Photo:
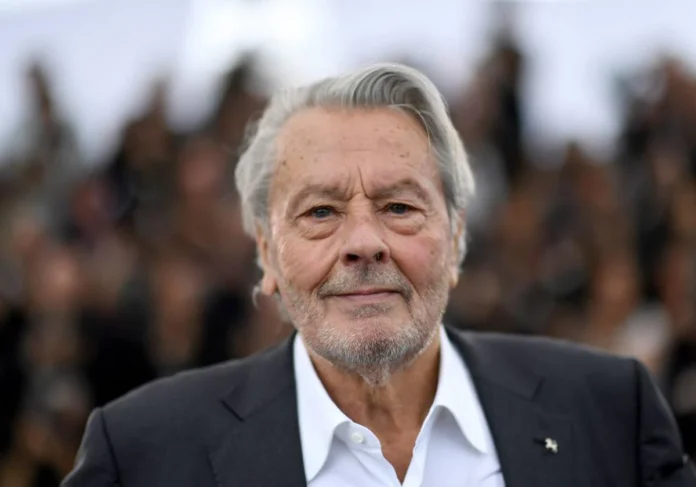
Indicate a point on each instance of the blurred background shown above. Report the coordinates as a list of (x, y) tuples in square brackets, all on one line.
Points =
[(122, 257)]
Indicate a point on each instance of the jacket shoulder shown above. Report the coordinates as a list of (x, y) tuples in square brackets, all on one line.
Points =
[(182, 398), (552, 357)]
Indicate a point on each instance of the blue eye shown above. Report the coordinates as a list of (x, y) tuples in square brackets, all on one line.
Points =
[(321, 212), (398, 208)]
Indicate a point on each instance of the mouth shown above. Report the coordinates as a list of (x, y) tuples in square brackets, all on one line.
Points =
[(368, 295)]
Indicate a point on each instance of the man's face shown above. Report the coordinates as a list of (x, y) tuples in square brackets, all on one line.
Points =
[(360, 246)]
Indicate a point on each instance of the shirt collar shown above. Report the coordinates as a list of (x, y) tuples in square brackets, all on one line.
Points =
[(457, 394), (317, 413), (319, 417)]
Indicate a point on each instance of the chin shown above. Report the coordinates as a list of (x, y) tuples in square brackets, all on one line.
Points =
[(369, 326), (373, 335)]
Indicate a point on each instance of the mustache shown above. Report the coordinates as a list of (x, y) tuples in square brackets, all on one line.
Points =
[(366, 276)]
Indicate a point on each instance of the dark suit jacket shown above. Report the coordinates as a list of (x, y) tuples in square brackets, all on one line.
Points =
[(236, 424)]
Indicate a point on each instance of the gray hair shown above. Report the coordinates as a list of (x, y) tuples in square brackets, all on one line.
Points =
[(380, 85)]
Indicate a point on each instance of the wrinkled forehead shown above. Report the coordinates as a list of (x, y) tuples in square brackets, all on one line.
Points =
[(319, 130), (337, 153)]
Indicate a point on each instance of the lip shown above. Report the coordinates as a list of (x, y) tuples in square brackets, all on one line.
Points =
[(368, 295), (368, 291)]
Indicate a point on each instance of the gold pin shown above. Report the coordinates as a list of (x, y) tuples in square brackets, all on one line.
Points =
[(551, 445)]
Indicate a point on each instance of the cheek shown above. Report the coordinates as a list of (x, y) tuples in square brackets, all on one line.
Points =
[(423, 259), (304, 264)]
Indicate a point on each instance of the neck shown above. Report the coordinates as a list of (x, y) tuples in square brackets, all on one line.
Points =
[(397, 406)]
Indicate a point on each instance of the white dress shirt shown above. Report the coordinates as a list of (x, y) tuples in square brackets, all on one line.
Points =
[(453, 448)]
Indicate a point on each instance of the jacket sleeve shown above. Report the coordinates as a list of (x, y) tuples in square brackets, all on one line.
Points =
[(95, 465), (661, 459)]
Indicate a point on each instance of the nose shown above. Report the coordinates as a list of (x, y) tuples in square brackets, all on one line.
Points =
[(364, 243)]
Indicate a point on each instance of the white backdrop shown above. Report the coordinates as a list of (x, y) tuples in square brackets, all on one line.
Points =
[(104, 53)]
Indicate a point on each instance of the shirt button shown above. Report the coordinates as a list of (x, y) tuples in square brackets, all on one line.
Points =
[(357, 437)]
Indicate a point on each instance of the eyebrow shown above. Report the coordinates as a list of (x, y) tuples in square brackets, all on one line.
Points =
[(320, 190), (402, 186), (339, 192)]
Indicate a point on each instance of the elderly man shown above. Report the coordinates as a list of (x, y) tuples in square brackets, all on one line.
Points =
[(355, 189)]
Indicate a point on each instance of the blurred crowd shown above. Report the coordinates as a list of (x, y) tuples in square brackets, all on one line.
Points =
[(116, 273)]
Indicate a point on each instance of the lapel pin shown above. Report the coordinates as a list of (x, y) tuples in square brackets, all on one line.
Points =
[(551, 445)]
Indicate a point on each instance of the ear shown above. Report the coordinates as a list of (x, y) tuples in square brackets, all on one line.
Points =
[(269, 281), (454, 252)]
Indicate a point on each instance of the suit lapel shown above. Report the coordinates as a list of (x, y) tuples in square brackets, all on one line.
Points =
[(519, 424), (520, 431), (259, 444)]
